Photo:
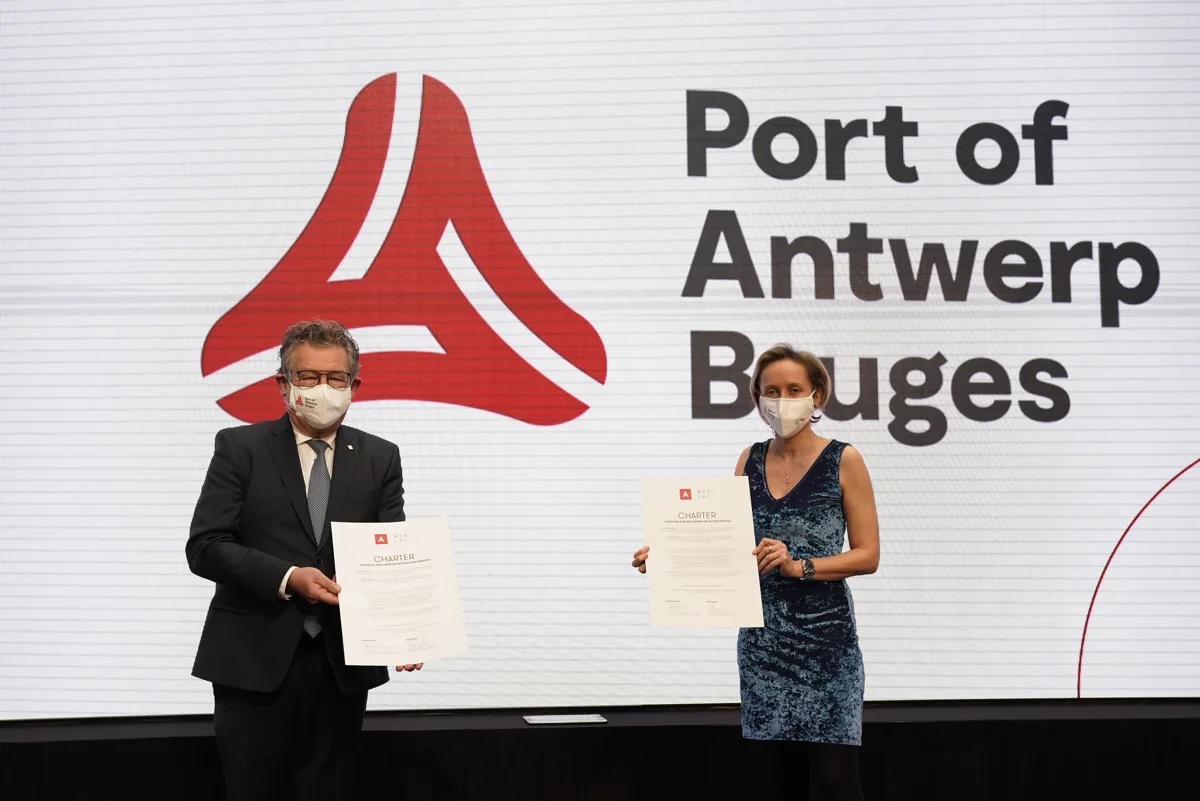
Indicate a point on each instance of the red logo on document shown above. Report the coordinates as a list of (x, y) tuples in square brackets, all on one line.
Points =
[(408, 284), (381, 539), (685, 495)]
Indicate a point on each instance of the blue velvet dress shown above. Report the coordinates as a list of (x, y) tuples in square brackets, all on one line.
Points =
[(802, 673)]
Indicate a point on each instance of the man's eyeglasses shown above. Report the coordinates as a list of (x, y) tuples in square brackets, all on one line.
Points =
[(310, 378)]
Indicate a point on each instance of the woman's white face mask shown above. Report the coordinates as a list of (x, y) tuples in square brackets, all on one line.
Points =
[(786, 416)]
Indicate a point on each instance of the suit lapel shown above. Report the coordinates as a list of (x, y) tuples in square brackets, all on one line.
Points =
[(345, 471), (287, 462)]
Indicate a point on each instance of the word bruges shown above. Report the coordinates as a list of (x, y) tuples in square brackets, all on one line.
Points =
[(981, 389)]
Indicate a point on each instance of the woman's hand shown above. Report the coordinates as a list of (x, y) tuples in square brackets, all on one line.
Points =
[(639, 558), (793, 568), (409, 668), (771, 554)]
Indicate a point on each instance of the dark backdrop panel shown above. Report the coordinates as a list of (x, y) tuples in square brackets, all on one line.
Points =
[(974, 760)]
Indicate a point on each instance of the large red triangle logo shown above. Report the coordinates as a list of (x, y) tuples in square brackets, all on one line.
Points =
[(407, 282)]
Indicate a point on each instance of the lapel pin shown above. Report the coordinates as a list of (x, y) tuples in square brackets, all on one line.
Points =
[(349, 447)]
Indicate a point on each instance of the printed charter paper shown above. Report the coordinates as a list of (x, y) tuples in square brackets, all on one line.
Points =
[(399, 602), (700, 572)]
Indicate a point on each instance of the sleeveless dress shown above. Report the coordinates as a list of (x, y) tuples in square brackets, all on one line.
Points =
[(802, 673)]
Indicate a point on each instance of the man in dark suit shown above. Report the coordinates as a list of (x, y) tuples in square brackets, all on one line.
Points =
[(288, 711)]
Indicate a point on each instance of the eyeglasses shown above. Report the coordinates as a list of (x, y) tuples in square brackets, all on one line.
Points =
[(338, 379)]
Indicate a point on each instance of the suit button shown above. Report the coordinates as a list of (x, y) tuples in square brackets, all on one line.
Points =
[(317, 561)]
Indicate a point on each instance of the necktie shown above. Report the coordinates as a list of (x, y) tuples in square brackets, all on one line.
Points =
[(318, 489), (318, 501)]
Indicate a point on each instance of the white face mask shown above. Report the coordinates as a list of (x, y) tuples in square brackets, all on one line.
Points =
[(320, 406), (786, 416)]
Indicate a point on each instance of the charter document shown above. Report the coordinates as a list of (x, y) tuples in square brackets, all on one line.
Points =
[(400, 602), (701, 571)]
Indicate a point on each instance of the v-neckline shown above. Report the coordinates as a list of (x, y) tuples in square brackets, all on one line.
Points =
[(799, 481)]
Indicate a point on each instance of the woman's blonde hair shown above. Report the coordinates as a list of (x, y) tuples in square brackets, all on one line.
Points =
[(818, 376)]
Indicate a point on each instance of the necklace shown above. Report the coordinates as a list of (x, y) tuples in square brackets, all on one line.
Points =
[(787, 469), (788, 464), (807, 459)]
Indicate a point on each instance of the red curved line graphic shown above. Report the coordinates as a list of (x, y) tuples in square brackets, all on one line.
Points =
[(1099, 581), (459, 177), (254, 323)]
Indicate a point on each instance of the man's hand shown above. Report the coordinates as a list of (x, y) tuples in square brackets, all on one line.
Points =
[(409, 668), (639, 558), (313, 586)]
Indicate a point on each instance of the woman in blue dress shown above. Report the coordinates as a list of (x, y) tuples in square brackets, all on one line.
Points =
[(801, 674)]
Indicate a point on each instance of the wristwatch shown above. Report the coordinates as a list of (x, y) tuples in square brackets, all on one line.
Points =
[(809, 569)]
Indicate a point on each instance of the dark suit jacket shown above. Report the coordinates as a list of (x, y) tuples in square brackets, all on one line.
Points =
[(251, 524)]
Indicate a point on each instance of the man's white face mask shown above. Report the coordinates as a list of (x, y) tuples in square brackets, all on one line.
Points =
[(320, 406), (786, 416)]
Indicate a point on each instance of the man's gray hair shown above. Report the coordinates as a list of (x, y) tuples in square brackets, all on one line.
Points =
[(321, 334)]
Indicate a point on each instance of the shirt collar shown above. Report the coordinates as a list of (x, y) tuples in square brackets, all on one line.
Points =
[(302, 438)]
